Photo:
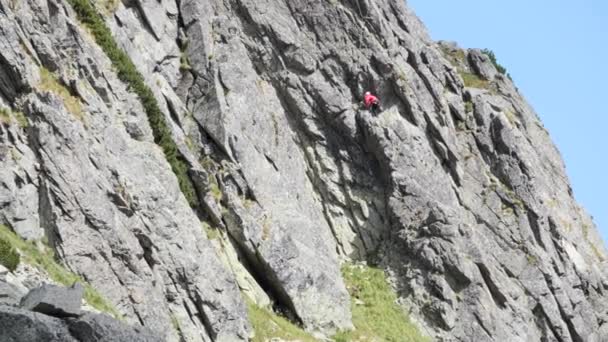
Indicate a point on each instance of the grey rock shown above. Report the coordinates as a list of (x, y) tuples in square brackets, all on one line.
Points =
[(19, 325), (54, 300), (481, 64), (9, 294), (101, 328)]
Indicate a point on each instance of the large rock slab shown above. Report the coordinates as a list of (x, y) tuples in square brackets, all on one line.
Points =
[(101, 328), (52, 300), (19, 325)]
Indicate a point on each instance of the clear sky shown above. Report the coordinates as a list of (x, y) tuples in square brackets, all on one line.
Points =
[(557, 53)]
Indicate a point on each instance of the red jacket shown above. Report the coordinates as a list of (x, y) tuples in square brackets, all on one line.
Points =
[(370, 100)]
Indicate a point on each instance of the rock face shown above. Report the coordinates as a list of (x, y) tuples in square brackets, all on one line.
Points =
[(455, 188)]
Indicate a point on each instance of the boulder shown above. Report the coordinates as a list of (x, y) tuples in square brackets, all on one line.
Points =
[(55, 300), (93, 327), (19, 325)]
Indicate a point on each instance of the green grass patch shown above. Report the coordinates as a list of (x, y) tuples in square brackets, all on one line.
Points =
[(268, 325), (127, 72), (43, 259), (376, 314), (9, 257), (474, 81), (49, 82)]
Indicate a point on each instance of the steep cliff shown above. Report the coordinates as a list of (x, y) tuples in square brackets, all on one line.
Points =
[(178, 153)]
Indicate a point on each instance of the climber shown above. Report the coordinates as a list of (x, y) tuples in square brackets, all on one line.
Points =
[(371, 103)]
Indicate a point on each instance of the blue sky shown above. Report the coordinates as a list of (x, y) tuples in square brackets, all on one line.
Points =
[(557, 53)]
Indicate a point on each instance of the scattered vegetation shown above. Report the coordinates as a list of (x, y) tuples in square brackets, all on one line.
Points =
[(512, 197), (455, 56), (184, 62), (128, 73), (596, 251), (501, 69), (376, 314), (7, 116), (109, 6), (43, 258), (511, 117), (49, 82), (401, 75), (268, 325), (507, 211), (177, 327), (275, 125), (552, 203), (532, 260), (9, 257), (468, 106), (594, 248), (184, 59), (214, 187), (211, 232)]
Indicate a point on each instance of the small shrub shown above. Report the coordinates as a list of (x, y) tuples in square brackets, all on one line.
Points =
[(184, 62), (501, 69), (9, 257), (275, 125), (127, 72)]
